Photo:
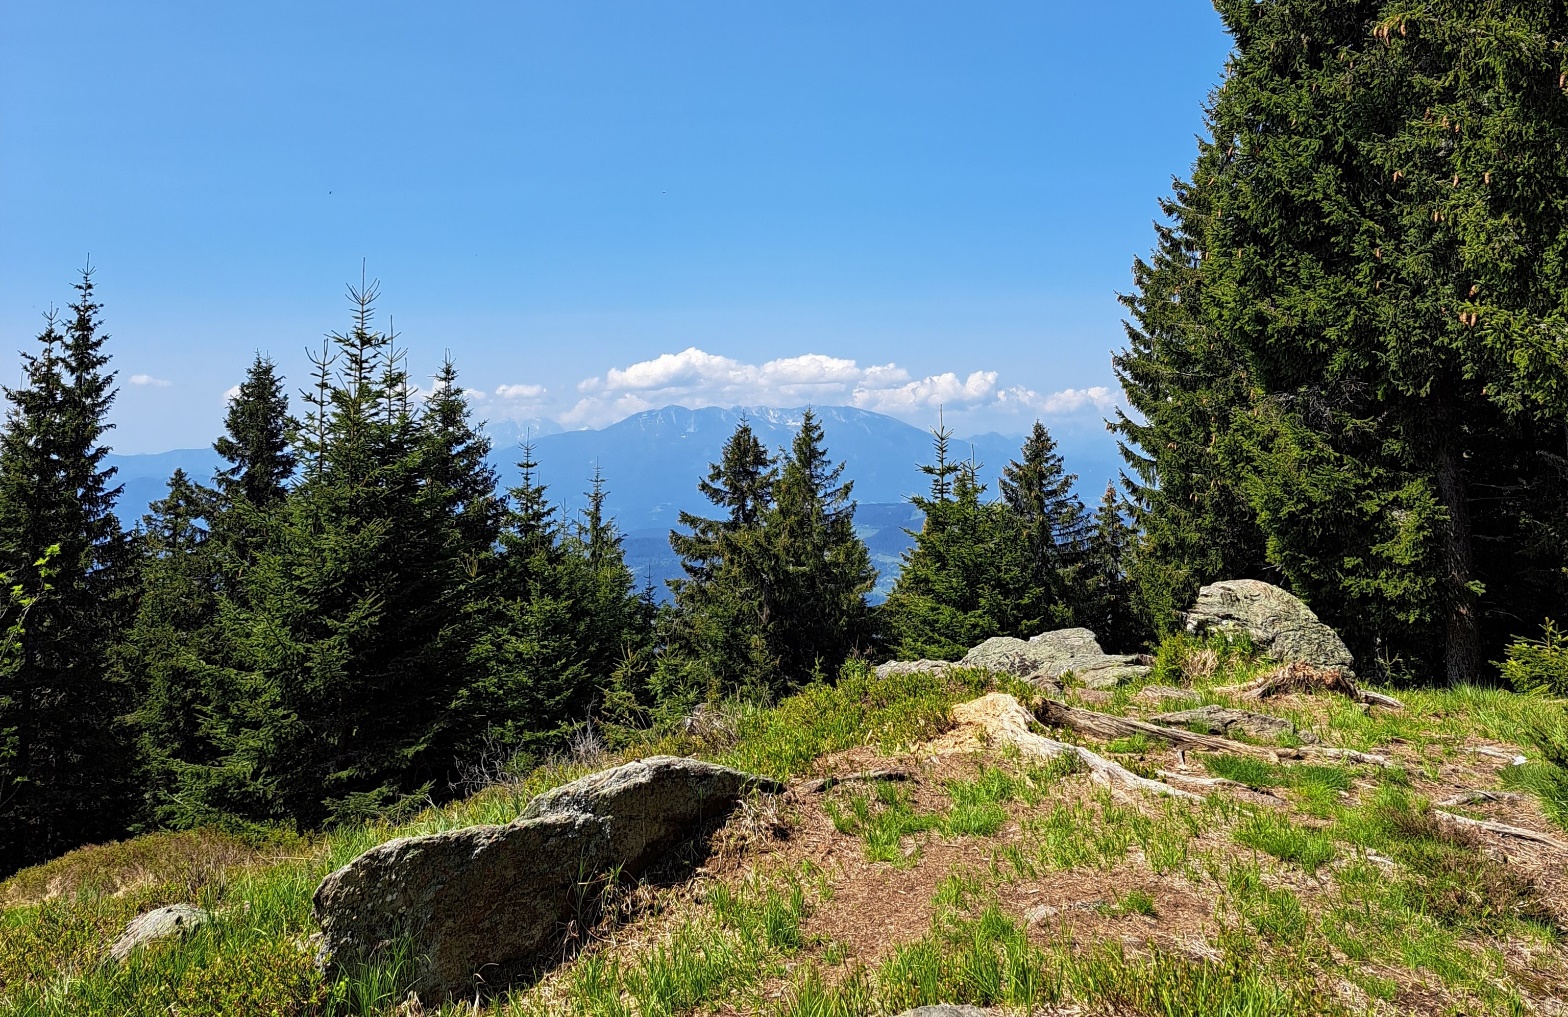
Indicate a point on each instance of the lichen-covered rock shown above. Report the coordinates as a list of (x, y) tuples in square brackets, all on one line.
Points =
[(651, 803), (1070, 642), (481, 905), (1044, 659), (898, 667), (1011, 655), (159, 923), (1279, 625)]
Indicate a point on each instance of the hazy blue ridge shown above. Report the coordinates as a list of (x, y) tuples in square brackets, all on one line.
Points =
[(651, 462)]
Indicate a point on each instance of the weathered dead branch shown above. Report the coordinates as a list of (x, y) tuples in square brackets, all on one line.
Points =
[(1107, 727), (821, 784), (1501, 829)]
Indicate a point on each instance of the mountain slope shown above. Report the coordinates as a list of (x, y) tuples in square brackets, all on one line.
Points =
[(651, 463)]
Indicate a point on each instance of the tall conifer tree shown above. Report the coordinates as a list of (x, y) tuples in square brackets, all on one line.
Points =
[(66, 757), (820, 568), (1376, 205)]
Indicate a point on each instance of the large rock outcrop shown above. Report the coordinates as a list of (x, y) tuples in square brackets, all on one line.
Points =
[(482, 905), (1279, 625), (1048, 656)]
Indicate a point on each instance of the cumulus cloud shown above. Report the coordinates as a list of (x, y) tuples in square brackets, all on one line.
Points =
[(149, 380), (520, 393), (694, 377)]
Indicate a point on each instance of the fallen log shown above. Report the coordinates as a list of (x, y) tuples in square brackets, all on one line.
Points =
[(1501, 829), (1108, 727), (1004, 719)]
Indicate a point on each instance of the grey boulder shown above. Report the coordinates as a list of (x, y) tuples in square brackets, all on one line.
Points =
[(650, 804), (946, 1010), (159, 923), (1044, 659), (1279, 624), (901, 667), (480, 906)]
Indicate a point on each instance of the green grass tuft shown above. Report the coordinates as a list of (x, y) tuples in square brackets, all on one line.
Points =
[(1274, 834)]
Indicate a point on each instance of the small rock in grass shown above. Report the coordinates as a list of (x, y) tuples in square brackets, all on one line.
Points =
[(946, 1010), (159, 923), (1222, 720)]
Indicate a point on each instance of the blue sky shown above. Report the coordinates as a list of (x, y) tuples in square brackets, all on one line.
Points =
[(602, 205)]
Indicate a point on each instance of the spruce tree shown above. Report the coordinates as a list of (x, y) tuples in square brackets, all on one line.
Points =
[(1038, 491), (820, 568), (1382, 190), (1105, 604), (257, 440), (66, 757), (350, 638), (563, 623), (728, 599), (969, 575), (166, 652), (1186, 383)]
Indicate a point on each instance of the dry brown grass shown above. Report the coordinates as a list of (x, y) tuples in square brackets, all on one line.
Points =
[(194, 859)]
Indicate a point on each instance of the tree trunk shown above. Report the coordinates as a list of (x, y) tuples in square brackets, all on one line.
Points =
[(1461, 633)]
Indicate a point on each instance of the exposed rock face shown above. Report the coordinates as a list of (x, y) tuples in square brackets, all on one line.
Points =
[(1279, 624), (483, 904), (893, 667), (1221, 720), (649, 804), (159, 923), (1044, 659), (1070, 642)]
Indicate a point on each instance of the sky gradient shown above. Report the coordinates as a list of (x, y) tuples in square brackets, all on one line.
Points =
[(602, 206)]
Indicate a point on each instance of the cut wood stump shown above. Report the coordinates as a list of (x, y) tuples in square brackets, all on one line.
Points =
[(1299, 677)]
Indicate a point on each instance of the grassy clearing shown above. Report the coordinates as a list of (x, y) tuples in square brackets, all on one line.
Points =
[(254, 958), (1349, 895), (885, 817)]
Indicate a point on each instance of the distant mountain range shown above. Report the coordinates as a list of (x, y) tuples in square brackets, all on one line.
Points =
[(651, 462)]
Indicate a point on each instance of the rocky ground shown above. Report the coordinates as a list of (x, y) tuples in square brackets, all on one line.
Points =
[(1208, 834)]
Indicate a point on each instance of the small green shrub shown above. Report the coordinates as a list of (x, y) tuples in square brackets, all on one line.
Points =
[(1539, 666), (1134, 902)]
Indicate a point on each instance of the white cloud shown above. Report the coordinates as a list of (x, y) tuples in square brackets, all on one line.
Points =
[(1070, 400), (232, 394), (694, 377), (147, 379), (520, 393)]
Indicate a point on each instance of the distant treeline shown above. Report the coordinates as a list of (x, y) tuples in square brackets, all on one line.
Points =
[(1346, 373)]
